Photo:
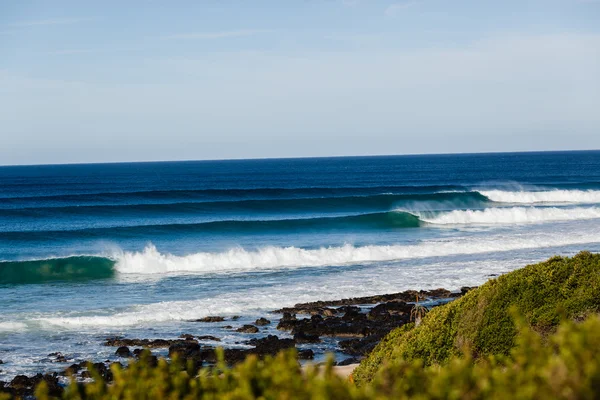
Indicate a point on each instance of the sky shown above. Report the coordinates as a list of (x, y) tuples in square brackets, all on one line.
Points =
[(107, 81)]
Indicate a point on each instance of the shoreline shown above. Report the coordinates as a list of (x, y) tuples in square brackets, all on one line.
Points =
[(353, 326)]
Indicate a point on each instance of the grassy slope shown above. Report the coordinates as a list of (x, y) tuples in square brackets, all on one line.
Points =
[(481, 322)]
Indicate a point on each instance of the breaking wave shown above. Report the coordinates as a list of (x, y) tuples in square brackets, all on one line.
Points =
[(512, 215), (550, 196)]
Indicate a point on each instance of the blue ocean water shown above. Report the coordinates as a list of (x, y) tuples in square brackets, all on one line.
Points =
[(139, 249)]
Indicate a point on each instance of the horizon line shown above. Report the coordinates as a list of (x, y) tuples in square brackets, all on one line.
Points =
[(300, 157)]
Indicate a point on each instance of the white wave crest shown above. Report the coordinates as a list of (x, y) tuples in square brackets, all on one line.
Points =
[(513, 215), (551, 196), (151, 261), (12, 326)]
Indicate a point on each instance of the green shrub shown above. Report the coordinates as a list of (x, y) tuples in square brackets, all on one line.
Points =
[(480, 321), (565, 365)]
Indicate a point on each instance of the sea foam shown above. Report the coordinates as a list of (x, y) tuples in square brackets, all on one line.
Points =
[(512, 215), (550, 196), (151, 261)]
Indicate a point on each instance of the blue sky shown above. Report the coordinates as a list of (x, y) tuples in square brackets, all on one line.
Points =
[(155, 80)]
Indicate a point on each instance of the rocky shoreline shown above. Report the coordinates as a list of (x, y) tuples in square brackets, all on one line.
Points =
[(355, 324)]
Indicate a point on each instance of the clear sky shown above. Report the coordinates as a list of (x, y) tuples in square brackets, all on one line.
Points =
[(92, 81)]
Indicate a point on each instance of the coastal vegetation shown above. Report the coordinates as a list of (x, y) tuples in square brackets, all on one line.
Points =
[(530, 334)]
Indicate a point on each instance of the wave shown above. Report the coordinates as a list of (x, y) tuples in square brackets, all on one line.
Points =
[(56, 269), (152, 262), (550, 196), (511, 215), (303, 204), (371, 221)]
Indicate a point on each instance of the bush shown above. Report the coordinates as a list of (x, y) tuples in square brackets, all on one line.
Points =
[(479, 321), (565, 365)]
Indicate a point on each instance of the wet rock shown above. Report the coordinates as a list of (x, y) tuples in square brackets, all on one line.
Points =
[(306, 354), (320, 307), (186, 336), (361, 346), (72, 370), (247, 329), (227, 327), (388, 311), (287, 322), (235, 317), (348, 361), (23, 386), (58, 357), (270, 345), (123, 351), (302, 337), (1, 362), (210, 319), (209, 337), (465, 289), (185, 349), (262, 322), (151, 344)]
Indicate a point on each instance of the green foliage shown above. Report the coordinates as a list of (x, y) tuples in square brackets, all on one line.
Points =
[(565, 365), (480, 323)]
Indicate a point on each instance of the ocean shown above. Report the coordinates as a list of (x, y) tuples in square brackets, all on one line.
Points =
[(140, 249)]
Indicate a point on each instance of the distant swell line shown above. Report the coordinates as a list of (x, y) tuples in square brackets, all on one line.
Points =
[(358, 202)]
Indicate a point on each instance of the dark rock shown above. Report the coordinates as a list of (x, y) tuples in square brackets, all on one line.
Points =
[(1, 362), (210, 319), (227, 327), (247, 329), (262, 322), (72, 370), (319, 307), (301, 337), (58, 357), (361, 346), (465, 289), (270, 345), (186, 336), (386, 311), (348, 361), (306, 354), (208, 337), (123, 351), (151, 344), (235, 317), (185, 349), (23, 386)]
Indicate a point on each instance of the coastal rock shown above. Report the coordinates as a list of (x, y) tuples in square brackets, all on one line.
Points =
[(302, 337), (348, 361), (247, 329), (270, 345), (262, 322), (123, 351), (23, 386), (320, 307), (151, 344), (186, 336), (306, 354), (209, 337), (58, 357), (210, 319)]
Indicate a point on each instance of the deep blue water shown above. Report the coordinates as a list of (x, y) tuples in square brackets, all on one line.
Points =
[(140, 248)]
